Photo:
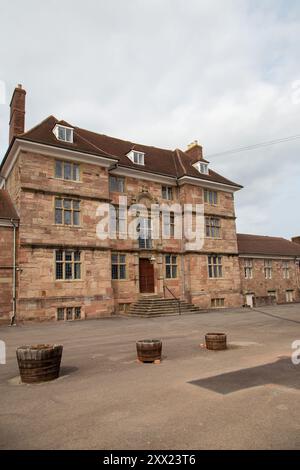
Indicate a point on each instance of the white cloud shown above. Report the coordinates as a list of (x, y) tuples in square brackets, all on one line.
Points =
[(167, 72)]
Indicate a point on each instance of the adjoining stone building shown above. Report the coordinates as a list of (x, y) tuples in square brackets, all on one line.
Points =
[(56, 176), (269, 269)]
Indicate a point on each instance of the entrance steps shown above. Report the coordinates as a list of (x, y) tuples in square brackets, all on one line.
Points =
[(158, 307)]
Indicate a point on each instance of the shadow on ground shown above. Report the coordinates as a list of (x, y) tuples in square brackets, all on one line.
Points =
[(282, 372)]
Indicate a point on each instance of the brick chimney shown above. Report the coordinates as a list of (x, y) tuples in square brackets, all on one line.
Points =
[(17, 113), (296, 240), (195, 151)]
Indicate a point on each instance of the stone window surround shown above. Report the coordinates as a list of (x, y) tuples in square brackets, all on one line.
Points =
[(71, 209), (172, 266), (118, 264), (74, 165), (215, 266), (74, 311), (63, 263)]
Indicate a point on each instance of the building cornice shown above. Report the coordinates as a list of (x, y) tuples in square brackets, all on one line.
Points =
[(74, 155), (260, 256), (207, 184), (143, 175)]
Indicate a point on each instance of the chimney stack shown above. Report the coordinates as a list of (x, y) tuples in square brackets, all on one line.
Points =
[(17, 113), (296, 240), (195, 151)]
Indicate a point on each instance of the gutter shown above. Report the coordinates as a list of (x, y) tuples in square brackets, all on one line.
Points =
[(14, 267)]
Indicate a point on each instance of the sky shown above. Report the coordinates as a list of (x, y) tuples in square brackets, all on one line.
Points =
[(166, 73)]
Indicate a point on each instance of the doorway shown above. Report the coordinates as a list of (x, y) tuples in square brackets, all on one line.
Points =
[(146, 273)]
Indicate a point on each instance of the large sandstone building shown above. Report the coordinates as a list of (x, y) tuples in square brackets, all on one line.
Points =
[(54, 178)]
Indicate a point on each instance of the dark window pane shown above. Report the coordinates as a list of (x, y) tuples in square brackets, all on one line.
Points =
[(67, 171), (76, 172), (68, 255), (67, 217), (77, 313), (76, 218), (67, 203), (59, 271), (77, 255), (114, 271), (68, 135), (58, 202), (122, 259), (168, 259), (174, 271), (60, 314), (174, 259), (58, 216), (61, 133), (122, 271), (168, 271), (58, 169), (77, 268), (210, 271), (68, 271), (76, 205), (69, 313), (59, 255)]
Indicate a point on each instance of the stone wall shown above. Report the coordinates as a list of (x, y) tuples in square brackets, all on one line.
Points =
[(260, 286), (6, 273)]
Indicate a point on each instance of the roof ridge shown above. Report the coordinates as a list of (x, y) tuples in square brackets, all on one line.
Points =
[(122, 140), (37, 125), (93, 145), (177, 151)]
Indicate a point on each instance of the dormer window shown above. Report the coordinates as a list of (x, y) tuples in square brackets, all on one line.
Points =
[(136, 157), (201, 167), (63, 133)]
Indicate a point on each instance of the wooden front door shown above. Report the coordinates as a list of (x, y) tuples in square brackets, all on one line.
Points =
[(146, 276)]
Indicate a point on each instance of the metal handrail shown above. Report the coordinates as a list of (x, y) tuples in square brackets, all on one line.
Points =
[(176, 298)]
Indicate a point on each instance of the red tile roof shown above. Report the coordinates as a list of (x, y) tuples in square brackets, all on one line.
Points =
[(7, 209), (262, 245), (174, 163)]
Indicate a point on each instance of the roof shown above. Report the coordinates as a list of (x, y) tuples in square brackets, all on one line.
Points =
[(7, 209), (262, 245), (174, 163)]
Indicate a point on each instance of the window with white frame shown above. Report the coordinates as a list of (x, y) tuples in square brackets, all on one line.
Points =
[(212, 226), (67, 170), (67, 211), (286, 269), (215, 268), (63, 133), (289, 295), (67, 265), (268, 268), (167, 192), (136, 157), (202, 167), (210, 197), (248, 268)]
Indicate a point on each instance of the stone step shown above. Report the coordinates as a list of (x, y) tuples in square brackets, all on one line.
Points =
[(156, 307)]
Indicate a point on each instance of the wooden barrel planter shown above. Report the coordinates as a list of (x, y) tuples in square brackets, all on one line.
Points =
[(149, 350), (39, 363), (216, 341)]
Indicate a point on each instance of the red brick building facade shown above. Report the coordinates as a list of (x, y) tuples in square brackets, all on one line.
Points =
[(58, 175)]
